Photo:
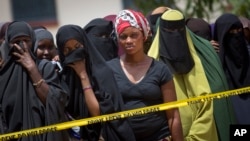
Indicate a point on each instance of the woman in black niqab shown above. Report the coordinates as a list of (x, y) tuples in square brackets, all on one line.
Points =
[(101, 33), (233, 53), (233, 50), (21, 104), (174, 48), (102, 82)]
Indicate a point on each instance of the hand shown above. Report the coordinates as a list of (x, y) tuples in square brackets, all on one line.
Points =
[(55, 58), (1, 62), (23, 56), (215, 45), (80, 68)]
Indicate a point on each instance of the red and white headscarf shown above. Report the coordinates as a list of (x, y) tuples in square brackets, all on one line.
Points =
[(128, 18)]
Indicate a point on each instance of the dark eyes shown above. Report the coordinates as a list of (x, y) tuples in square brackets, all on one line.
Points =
[(235, 31), (19, 41), (132, 36), (174, 29), (67, 50), (102, 35), (45, 47)]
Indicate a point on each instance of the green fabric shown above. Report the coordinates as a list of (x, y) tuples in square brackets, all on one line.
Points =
[(223, 112), (197, 119), (208, 121), (222, 108)]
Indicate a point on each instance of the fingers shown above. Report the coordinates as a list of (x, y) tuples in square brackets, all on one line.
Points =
[(21, 46), (18, 49), (21, 50), (216, 47), (24, 46), (214, 43), (77, 65), (56, 58), (71, 65)]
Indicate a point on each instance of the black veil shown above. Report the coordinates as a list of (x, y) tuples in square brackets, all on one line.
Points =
[(103, 83)]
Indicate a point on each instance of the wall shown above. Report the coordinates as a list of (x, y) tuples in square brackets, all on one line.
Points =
[(78, 12)]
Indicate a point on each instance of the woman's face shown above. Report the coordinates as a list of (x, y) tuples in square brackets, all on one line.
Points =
[(46, 49), (131, 40), (70, 46), (20, 39)]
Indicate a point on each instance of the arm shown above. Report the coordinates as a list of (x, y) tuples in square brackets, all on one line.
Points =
[(203, 126), (173, 116), (91, 101), (25, 59)]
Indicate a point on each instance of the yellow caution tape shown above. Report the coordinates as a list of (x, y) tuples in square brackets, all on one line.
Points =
[(123, 114)]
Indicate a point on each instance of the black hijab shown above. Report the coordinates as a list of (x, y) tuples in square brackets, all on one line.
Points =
[(20, 106), (100, 33), (235, 60), (174, 48), (200, 27), (3, 27), (233, 50), (103, 83), (152, 20)]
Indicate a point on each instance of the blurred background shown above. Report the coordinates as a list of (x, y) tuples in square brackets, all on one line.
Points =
[(54, 13)]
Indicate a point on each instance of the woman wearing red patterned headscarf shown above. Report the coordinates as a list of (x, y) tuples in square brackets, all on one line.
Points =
[(143, 81)]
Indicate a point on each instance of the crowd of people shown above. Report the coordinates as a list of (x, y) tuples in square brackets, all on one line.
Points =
[(122, 62)]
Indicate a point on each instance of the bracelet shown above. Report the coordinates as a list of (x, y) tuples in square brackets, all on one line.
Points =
[(38, 83), (86, 88)]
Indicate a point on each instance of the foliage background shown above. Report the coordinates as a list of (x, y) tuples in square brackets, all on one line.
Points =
[(195, 8)]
